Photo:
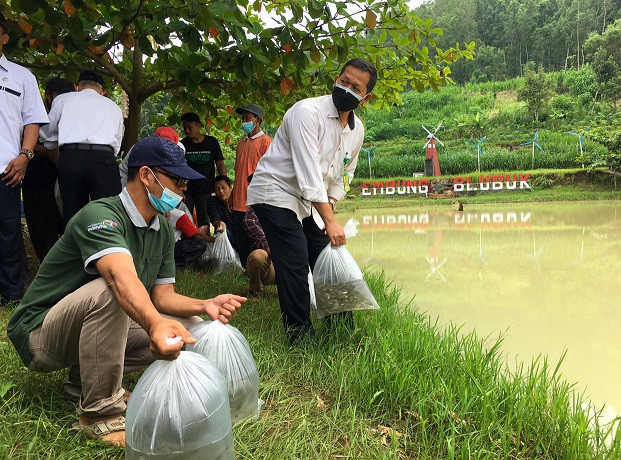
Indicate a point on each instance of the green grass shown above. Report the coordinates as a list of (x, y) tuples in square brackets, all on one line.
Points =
[(397, 387), (547, 185)]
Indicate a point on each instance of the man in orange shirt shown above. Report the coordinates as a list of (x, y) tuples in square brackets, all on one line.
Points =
[(249, 149)]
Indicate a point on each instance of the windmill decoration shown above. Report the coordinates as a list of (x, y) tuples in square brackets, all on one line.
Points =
[(580, 142), (479, 150), (368, 152), (534, 144), (432, 151)]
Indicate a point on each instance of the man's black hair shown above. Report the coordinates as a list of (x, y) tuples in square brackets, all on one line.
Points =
[(365, 66), (59, 85), (191, 117), (222, 178), (132, 172)]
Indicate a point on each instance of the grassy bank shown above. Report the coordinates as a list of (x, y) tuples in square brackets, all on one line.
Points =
[(546, 184), (397, 387)]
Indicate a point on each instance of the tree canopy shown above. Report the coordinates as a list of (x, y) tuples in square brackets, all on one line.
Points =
[(548, 33), (212, 55)]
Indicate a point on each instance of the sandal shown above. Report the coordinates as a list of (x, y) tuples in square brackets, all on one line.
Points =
[(99, 429)]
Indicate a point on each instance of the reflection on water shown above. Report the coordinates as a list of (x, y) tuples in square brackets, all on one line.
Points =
[(547, 276)]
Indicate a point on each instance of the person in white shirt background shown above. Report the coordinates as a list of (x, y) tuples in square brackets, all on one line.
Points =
[(21, 114), (87, 127), (307, 168)]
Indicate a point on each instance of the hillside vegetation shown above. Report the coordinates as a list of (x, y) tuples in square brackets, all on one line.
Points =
[(501, 111)]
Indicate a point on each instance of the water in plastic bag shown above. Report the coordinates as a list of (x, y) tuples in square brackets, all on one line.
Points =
[(229, 351), (220, 256), (339, 284), (180, 410)]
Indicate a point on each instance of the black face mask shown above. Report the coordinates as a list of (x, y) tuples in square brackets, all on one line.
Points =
[(344, 100)]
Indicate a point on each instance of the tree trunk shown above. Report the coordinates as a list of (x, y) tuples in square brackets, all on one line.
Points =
[(135, 96), (132, 125)]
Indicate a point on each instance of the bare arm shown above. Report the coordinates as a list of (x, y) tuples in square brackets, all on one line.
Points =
[(16, 169), (118, 271), (333, 228), (222, 307), (221, 168)]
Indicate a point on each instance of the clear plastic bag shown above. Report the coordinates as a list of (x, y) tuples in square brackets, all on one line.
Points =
[(311, 290), (351, 228), (229, 351), (220, 256), (339, 284), (179, 410)]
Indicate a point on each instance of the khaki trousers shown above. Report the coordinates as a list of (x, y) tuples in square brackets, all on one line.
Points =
[(89, 330), (260, 270)]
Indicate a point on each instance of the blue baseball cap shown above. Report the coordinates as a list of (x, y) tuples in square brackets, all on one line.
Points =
[(160, 152)]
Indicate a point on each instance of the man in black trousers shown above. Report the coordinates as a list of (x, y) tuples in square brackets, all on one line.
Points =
[(45, 223), (307, 168), (87, 127)]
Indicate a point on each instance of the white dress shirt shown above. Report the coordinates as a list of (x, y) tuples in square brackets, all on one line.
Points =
[(84, 117), (20, 105), (306, 160)]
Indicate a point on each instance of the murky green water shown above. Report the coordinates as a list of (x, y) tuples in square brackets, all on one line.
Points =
[(546, 275)]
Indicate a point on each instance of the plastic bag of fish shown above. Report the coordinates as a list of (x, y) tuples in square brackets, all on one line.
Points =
[(339, 284)]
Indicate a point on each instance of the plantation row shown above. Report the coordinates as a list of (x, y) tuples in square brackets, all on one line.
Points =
[(463, 162)]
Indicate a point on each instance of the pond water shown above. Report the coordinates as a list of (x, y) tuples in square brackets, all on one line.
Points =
[(545, 275)]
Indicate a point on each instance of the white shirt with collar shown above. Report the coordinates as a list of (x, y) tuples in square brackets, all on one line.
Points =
[(84, 117), (306, 160), (20, 105)]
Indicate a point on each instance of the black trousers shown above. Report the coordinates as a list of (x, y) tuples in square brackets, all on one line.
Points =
[(294, 246), (45, 224), (84, 175), (242, 242), (11, 243), (198, 201), (188, 250)]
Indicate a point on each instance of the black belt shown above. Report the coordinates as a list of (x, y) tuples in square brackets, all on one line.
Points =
[(99, 147)]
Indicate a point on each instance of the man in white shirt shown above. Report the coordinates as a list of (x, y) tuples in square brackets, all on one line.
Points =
[(87, 127), (21, 114), (306, 169)]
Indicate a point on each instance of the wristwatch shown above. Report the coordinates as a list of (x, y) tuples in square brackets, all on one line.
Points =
[(28, 153), (332, 201)]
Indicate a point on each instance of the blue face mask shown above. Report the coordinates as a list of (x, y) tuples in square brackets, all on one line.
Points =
[(248, 127), (167, 202)]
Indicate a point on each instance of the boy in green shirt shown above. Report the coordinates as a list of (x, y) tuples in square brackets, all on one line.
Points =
[(104, 295)]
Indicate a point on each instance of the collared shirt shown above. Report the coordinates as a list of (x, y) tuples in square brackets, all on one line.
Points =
[(255, 231), (20, 105), (306, 161), (105, 226), (84, 117), (249, 151), (218, 210)]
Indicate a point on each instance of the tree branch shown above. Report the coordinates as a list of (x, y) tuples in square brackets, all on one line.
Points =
[(125, 24), (61, 67), (156, 87), (112, 71)]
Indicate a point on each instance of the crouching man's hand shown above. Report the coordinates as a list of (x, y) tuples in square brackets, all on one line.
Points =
[(223, 307), (166, 329)]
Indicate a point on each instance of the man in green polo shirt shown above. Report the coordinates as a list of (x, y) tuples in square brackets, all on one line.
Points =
[(104, 295)]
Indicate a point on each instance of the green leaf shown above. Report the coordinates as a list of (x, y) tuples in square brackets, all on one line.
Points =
[(5, 386)]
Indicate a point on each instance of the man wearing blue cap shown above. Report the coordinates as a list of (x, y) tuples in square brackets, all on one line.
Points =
[(116, 306)]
